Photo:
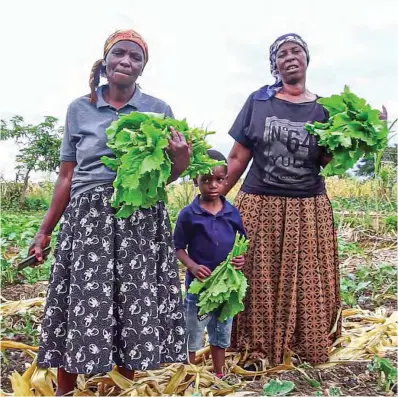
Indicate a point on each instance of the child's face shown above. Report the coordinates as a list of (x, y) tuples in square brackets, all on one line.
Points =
[(211, 186)]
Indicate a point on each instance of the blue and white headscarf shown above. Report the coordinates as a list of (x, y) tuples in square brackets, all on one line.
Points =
[(269, 91)]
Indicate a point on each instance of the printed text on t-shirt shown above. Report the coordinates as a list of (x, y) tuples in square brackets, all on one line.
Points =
[(287, 146)]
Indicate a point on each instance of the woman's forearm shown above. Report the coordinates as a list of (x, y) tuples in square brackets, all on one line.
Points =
[(238, 161), (60, 200), (235, 171), (176, 172)]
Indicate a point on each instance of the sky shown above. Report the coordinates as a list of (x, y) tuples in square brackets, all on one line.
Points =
[(205, 58)]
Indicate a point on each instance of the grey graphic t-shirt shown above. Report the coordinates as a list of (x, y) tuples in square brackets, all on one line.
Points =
[(286, 158)]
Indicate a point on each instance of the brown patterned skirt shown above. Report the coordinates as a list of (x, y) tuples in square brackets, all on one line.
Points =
[(293, 299)]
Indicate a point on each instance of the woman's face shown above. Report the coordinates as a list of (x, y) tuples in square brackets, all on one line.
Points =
[(291, 61), (124, 63)]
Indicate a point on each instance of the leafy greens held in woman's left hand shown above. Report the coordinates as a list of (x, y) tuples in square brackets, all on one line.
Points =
[(139, 142), (353, 131)]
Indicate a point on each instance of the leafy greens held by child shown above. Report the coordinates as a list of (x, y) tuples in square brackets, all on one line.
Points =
[(353, 131), (226, 287), (139, 142)]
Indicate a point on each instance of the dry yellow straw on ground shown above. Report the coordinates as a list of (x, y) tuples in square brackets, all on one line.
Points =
[(365, 334)]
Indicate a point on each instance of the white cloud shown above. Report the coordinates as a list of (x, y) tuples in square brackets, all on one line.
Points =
[(205, 57)]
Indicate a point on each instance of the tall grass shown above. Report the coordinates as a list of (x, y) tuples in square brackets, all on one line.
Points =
[(369, 204), (366, 205)]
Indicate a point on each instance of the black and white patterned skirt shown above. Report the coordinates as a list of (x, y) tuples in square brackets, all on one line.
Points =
[(114, 296)]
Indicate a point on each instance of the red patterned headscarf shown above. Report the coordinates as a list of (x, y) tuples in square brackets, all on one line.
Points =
[(120, 35)]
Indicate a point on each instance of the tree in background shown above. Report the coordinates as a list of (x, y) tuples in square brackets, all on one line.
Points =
[(39, 147)]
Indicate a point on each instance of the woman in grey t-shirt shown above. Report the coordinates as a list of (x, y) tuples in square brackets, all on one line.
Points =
[(293, 297), (114, 294)]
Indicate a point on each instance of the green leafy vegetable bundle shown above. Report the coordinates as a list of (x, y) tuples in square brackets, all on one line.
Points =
[(226, 288), (353, 131), (139, 142)]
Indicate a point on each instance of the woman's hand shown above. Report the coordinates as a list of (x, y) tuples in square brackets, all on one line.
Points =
[(179, 152), (326, 158), (238, 262), (40, 242)]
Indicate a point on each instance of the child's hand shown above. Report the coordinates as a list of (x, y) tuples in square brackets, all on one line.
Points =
[(238, 262), (200, 272)]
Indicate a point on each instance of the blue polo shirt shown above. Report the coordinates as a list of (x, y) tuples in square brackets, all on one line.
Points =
[(208, 238), (85, 138)]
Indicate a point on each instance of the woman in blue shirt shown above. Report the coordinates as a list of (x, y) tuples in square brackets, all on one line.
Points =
[(114, 295)]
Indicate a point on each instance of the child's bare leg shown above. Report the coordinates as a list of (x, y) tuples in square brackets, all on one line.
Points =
[(66, 382), (127, 373), (218, 357), (192, 357)]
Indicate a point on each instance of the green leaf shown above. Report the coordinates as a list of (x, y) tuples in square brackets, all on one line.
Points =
[(334, 105), (132, 120), (111, 163), (339, 120), (123, 139), (314, 383), (143, 167), (151, 162), (125, 211), (195, 287), (353, 102), (225, 289), (220, 288), (134, 197), (11, 236), (243, 286), (151, 133), (335, 392), (111, 130), (345, 141), (130, 180), (165, 173), (153, 114), (352, 131), (373, 116), (276, 387), (232, 307)]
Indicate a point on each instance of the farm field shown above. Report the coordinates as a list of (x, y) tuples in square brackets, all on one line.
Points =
[(362, 363)]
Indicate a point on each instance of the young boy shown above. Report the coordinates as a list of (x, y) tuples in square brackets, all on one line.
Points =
[(206, 229)]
